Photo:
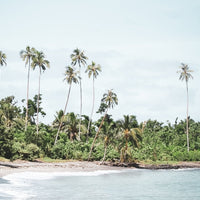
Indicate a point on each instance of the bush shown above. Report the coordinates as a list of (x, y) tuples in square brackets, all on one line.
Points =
[(112, 154), (187, 156), (58, 151), (25, 152), (31, 152), (98, 152), (17, 149)]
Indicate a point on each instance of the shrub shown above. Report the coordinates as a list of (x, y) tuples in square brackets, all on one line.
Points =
[(25, 152), (187, 156), (58, 151), (31, 152), (112, 154)]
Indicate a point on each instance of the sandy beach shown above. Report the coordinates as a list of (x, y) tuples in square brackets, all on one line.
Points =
[(82, 166), (69, 166)]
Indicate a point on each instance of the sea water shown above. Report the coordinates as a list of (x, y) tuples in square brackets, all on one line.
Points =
[(133, 184)]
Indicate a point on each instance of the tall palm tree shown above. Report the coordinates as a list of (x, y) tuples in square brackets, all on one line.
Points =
[(185, 74), (92, 70), (78, 58), (110, 99), (3, 58), (71, 77), (39, 60), (26, 56)]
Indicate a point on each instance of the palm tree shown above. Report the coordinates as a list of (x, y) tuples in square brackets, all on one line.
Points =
[(70, 77), (78, 57), (2, 58), (93, 70), (130, 132), (185, 74), (72, 126), (26, 56), (110, 99), (109, 130), (39, 60)]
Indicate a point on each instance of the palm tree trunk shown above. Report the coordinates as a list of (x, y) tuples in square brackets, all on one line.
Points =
[(61, 120), (90, 119), (97, 133), (27, 96), (79, 131), (105, 150), (38, 98), (187, 121), (126, 144)]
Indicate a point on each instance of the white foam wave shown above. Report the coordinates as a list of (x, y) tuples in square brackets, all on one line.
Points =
[(24, 178)]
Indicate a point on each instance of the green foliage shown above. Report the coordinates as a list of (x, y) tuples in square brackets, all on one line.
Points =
[(25, 152), (159, 142), (58, 151), (112, 154), (187, 156), (32, 109)]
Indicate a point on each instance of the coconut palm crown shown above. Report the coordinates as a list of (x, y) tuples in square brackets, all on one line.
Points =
[(38, 60), (185, 73), (71, 75), (110, 99), (2, 58), (78, 57), (93, 70)]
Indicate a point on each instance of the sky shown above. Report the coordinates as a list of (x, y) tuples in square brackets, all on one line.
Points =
[(139, 45)]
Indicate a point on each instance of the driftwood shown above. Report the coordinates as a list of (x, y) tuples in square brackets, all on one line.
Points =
[(8, 165)]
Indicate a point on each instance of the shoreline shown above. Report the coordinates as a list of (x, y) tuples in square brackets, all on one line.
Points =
[(7, 167), (67, 166)]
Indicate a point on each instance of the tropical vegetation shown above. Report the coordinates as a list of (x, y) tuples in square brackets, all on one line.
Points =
[(106, 139)]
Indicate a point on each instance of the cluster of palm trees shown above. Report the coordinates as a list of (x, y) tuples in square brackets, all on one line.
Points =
[(34, 58), (74, 76)]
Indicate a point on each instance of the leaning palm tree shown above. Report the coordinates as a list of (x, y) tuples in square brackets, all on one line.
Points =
[(2, 58), (110, 100), (39, 60), (109, 130), (185, 74), (71, 77), (78, 58), (26, 56), (92, 70)]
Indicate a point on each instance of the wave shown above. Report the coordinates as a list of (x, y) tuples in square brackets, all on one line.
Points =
[(14, 185), (18, 178)]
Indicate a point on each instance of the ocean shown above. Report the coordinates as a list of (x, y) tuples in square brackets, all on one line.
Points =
[(133, 184)]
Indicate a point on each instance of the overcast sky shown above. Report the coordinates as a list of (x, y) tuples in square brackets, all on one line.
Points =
[(138, 43)]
